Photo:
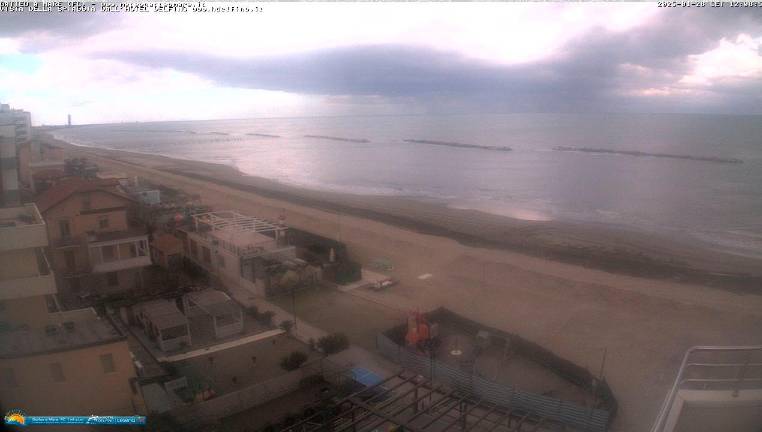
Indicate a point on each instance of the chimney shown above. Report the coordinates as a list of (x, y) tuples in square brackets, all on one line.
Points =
[(69, 123)]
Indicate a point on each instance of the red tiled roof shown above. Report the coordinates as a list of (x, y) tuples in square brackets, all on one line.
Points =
[(58, 193)]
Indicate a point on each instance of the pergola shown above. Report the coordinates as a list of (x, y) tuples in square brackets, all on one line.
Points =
[(231, 220), (411, 403)]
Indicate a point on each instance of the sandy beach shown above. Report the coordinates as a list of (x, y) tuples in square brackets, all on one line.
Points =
[(576, 289)]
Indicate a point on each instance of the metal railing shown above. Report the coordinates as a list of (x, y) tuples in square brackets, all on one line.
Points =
[(714, 368)]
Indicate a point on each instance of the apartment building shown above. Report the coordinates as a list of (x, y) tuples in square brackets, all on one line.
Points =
[(54, 362), (238, 249), (78, 364), (21, 121), (9, 176), (93, 247), (27, 283)]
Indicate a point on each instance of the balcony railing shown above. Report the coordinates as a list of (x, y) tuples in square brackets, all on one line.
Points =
[(118, 259), (122, 264), (713, 368)]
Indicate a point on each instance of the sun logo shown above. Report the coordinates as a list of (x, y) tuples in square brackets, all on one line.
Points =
[(15, 417)]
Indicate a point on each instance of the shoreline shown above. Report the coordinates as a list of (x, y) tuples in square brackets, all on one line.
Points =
[(577, 312), (597, 246)]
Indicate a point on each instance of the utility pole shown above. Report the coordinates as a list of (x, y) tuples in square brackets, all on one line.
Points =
[(293, 304)]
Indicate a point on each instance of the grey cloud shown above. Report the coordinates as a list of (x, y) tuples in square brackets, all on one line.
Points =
[(56, 25), (593, 72)]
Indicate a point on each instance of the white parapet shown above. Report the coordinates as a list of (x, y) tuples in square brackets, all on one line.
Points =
[(22, 227)]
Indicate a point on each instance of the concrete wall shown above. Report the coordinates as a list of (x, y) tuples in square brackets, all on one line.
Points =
[(30, 311), (249, 397), (19, 263), (86, 388)]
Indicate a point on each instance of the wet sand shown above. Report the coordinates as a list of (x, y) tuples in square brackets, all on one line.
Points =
[(575, 289)]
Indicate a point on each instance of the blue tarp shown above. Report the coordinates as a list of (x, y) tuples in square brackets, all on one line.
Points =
[(365, 377)]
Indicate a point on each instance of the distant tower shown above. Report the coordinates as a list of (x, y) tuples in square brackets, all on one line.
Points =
[(69, 124)]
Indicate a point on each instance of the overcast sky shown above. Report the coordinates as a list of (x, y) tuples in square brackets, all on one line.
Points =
[(309, 59)]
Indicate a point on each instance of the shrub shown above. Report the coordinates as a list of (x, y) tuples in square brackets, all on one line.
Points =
[(293, 361), (266, 317), (348, 272), (333, 343), (286, 325), (253, 311)]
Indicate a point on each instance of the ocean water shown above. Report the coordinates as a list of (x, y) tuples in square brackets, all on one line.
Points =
[(717, 203)]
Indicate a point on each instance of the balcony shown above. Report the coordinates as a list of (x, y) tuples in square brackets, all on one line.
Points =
[(20, 283), (46, 164), (115, 253), (122, 264), (717, 388), (22, 228)]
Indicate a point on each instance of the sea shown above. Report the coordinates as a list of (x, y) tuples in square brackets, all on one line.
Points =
[(719, 204)]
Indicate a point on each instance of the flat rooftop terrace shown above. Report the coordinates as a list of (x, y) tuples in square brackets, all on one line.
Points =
[(239, 231), (22, 227), (503, 365), (69, 335), (22, 215), (203, 338)]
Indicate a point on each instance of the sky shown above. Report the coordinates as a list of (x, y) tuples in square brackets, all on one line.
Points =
[(371, 58)]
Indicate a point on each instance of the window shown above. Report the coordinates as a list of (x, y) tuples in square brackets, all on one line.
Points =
[(194, 249), (56, 372), (9, 378), (107, 363), (86, 204), (112, 279), (207, 255), (108, 253), (74, 285), (103, 222), (71, 260), (64, 228), (220, 261), (51, 302), (133, 250)]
